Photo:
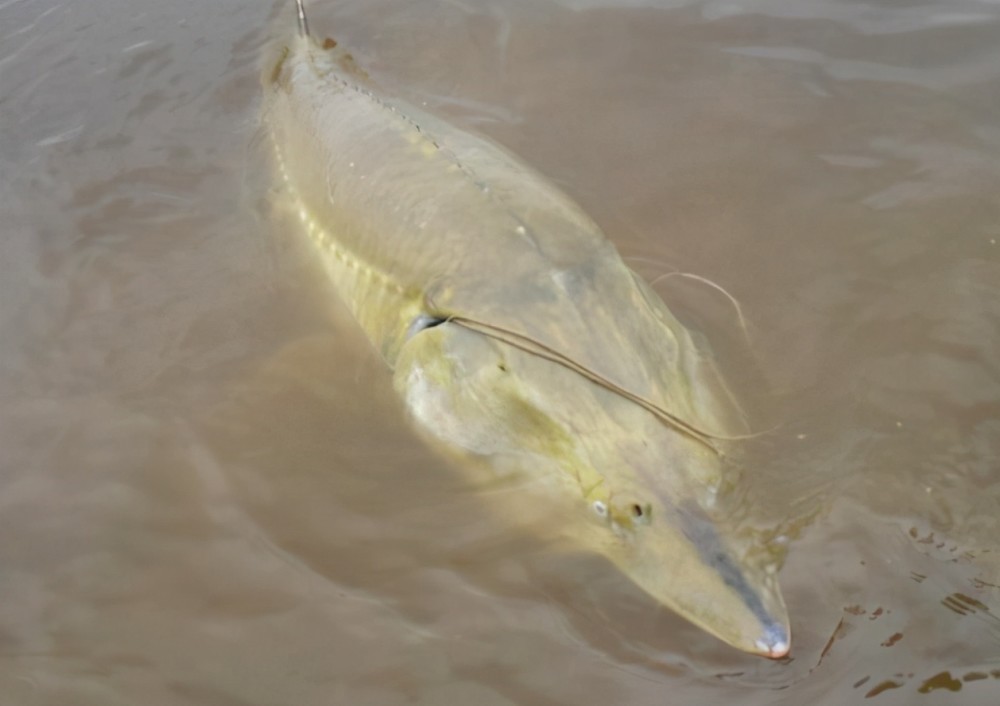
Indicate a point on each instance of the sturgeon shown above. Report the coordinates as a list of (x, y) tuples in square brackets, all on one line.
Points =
[(515, 332)]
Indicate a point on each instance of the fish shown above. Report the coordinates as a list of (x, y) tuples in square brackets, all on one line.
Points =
[(515, 333)]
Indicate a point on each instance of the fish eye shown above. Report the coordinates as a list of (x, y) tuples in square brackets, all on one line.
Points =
[(423, 322), (600, 508)]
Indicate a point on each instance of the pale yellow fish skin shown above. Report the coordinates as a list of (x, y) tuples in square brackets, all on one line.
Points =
[(415, 218)]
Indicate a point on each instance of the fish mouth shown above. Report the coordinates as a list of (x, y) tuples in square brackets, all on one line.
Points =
[(775, 643)]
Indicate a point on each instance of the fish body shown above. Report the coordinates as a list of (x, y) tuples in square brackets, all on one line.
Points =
[(516, 332)]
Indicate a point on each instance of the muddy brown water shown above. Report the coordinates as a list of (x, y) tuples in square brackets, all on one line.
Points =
[(210, 495)]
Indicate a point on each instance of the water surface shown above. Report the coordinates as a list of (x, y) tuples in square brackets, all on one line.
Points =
[(210, 495)]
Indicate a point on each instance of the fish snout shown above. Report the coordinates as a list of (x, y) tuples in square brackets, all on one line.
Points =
[(694, 567), (775, 642)]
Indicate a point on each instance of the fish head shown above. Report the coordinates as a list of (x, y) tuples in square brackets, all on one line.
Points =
[(637, 491), (678, 554), (656, 513)]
